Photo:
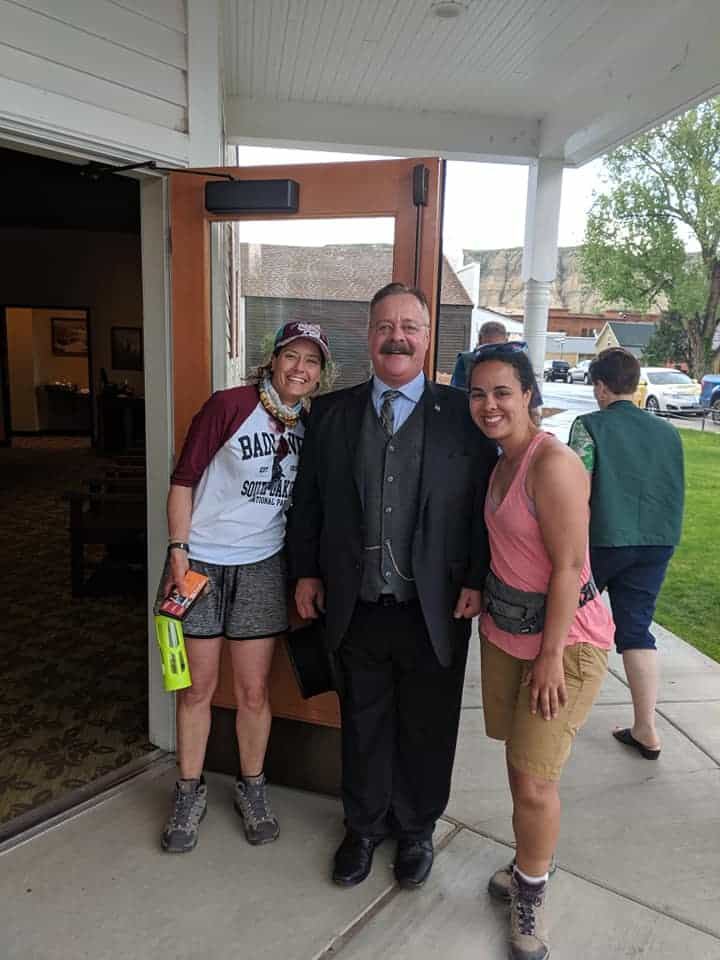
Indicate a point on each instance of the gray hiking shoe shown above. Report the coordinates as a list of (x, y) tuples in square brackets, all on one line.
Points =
[(528, 929), (499, 883), (251, 802), (189, 807)]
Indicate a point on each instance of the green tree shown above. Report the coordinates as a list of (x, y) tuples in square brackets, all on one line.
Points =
[(663, 188), (669, 342)]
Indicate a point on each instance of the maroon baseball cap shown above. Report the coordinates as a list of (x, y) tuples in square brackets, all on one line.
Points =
[(302, 330)]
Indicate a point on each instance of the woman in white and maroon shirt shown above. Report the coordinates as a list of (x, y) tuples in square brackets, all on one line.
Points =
[(226, 517)]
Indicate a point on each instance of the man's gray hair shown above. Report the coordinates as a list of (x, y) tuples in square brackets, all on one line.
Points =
[(396, 290), (491, 330)]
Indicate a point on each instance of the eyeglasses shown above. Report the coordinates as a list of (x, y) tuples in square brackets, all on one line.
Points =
[(408, 328)]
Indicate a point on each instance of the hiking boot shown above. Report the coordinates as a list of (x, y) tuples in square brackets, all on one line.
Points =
[(189, 807), (528, 930), (251, 802), (499, 883)]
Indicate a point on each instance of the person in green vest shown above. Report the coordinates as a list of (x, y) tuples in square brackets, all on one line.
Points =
[(636, 465)]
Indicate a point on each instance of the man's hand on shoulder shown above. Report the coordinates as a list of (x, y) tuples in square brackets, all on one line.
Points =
[(469, 604), (310, 597)]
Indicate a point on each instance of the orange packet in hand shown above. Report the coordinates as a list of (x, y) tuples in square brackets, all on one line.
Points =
[(177, 604)]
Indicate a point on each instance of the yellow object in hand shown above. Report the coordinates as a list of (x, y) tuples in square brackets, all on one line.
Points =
[(170, 638)]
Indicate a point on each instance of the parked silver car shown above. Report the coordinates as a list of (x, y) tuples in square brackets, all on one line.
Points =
[(580, 372)]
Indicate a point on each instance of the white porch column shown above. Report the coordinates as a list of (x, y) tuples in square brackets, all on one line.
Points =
[(540, 252)]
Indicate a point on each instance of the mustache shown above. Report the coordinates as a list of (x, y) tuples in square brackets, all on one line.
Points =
[(404, 349)]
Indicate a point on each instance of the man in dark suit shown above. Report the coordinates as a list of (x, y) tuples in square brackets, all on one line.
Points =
[(386, 536)]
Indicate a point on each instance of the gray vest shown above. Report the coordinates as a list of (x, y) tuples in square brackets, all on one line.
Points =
[(390, 471)]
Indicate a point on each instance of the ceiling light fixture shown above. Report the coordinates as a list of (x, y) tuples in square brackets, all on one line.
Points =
[(449, 9)]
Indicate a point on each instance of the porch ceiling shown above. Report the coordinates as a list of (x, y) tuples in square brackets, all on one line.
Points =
[(506, 79)]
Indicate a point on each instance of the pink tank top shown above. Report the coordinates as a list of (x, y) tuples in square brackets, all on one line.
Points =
[(519, 559)]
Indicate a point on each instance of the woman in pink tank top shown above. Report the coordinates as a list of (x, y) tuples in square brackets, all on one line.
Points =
[(545, 631)]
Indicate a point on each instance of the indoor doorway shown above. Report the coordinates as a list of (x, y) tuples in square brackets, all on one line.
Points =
[(73, 641)]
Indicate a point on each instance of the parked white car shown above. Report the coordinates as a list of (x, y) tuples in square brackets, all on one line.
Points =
[(670, 391), (580, 372)]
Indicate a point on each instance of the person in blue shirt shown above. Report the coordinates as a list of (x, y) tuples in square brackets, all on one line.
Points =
[(492, 334)]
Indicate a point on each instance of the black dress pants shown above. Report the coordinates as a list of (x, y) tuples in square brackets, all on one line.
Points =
[(400, 713)]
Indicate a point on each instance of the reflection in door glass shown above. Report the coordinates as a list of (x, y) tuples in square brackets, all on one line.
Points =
[(323, 271)]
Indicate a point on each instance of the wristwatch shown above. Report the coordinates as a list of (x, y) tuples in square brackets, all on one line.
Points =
[(179, 545)]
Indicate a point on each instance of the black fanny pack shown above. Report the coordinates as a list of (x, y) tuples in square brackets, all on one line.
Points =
[(519, 611)]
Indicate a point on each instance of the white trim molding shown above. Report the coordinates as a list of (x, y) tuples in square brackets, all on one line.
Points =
[(205, 107), (49, 119), (158, 427), (458, 136)]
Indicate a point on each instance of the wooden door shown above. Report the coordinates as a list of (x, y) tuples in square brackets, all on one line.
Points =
[(380, 189)]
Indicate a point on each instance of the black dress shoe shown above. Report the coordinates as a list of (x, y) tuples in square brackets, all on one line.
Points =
[(413, 862), (353, 859)]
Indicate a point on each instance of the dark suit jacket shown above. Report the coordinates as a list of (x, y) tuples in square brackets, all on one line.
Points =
[(450, 548)]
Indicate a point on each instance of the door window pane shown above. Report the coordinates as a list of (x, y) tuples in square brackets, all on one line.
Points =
[(321, 271)]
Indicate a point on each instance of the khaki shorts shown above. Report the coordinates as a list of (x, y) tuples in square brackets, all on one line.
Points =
[(534, 745)]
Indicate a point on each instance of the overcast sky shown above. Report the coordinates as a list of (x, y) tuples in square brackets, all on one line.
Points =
[(484, 205)]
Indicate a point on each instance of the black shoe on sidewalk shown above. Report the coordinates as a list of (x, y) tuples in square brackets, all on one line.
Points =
[(353, 859), (413, 862)]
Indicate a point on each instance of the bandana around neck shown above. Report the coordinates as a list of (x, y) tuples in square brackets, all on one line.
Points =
[(270, 399)]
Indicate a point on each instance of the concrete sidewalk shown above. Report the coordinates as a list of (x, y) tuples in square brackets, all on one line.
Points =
[(560, 423), (639, 858)]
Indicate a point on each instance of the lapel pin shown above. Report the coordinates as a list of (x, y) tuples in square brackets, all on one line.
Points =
[(437, 407)]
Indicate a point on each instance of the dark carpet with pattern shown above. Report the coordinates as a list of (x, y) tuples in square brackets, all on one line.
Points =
[(73, 672)]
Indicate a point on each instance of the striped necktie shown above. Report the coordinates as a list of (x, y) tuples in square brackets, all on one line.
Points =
[(387, 413)]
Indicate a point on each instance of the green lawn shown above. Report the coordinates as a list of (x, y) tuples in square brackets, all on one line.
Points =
[(689, 603)]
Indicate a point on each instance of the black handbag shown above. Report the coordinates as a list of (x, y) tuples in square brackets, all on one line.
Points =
[(309, 658), (518, 611), (514, 611)]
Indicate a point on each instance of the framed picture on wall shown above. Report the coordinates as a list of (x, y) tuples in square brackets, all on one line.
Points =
[(126, 348), (69, 336)]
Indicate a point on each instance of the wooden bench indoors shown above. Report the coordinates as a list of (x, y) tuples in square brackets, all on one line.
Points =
[(110, 512)]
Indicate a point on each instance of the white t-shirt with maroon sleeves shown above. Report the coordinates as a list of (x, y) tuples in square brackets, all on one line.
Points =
[(241, 463)]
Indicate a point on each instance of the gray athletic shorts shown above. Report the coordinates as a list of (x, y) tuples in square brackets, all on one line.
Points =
[(241, 603)]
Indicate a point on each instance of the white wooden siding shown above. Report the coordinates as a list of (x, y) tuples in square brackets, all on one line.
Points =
[(171, 13), (127, 57)]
